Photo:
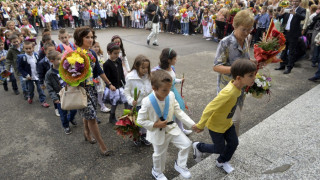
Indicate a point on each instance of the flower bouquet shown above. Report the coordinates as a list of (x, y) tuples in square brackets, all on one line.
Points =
[(266, 50), (183, 13), (261, 86), (75, 66), (127, 124), (284, 4), (5, 74), (34, 12), (234, 11)]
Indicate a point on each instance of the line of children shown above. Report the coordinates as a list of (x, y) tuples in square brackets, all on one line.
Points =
[(54, 84)]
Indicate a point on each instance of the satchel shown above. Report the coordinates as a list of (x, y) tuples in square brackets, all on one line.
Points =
[(72, 98)]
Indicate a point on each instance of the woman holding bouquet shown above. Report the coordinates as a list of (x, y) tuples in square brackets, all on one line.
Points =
[(84, 37), (233, 47)]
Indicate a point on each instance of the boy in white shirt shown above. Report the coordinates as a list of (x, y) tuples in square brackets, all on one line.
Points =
[(27, 66), (156, 115), (53, 20), (47, 20)]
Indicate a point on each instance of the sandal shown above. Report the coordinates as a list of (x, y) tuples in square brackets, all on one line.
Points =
[(106, 153), (92, 141)]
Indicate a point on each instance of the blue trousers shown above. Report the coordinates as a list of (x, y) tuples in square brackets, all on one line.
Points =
[(23, 84), (65, 117), (219, 146), (30, 84)]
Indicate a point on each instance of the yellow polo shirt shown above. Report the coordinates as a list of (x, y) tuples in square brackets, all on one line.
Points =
[(217, 116)]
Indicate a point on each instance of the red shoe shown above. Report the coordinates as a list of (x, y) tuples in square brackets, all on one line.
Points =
[(46, 105), (29, 100)]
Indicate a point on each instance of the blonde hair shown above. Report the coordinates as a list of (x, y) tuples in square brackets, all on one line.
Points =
[(304, 4), (243, 18), (26, 31)]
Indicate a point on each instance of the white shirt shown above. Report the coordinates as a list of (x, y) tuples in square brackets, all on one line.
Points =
[(32, 61), (47, 18), (53, 17), (173, 76), (289, 21), (102, 13)]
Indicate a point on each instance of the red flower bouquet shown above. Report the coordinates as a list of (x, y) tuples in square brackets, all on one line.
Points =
[(265, 51)]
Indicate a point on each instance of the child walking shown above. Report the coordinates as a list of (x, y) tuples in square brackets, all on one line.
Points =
[(65, 44), (123, 56), (114, 92), (3, 54), (217, 116), (168, 59), (156, 115), (100, 86), (27, 65), (54, 84), (139, 77)]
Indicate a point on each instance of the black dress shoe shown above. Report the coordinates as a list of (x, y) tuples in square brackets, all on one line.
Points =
[(148, 42), (155, 44), (314, 79), (287, 71), (280, 68)]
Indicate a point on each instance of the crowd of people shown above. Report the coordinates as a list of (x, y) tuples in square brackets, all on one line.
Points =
[(234, 25)]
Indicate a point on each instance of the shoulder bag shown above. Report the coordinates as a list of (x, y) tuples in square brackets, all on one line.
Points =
[(149, 23), (72, 98)]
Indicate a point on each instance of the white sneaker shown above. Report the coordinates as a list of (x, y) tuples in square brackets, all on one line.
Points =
[(225, 166), (105, 109), (197, 155), (185, 173), (187, 132), (57, 112), (158, 176)]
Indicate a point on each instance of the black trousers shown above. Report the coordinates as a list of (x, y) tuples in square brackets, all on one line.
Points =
[(289, 55), (258, 34)]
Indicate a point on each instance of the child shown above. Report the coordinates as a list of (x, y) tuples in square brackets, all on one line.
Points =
[(26, 24), (161, 128), (316, 58), (27, 65), (7, 35), (3, 54), (11, 62), (44, 67), (47, 20), (168, 59), (100, 86), (25, 32), (114, 72), (126, 68), (53, 20), (139, 77), (11, 26), (217, 116), (46, 38), (64, 38), (54, 84), (262, 21)]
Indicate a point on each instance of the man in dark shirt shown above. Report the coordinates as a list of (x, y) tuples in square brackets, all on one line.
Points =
[(153, 12)]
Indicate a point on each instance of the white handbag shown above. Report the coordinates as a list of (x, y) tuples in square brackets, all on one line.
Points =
[(72, 98)]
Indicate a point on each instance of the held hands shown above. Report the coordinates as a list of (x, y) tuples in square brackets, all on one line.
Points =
[(57, 101), (43, 86), (196, 129), (160, 124)]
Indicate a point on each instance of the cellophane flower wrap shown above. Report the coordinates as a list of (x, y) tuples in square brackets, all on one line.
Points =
[(127, 124), (266, 50), (75, 67), (261, 86)]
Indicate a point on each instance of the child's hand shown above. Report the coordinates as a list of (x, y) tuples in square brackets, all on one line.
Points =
[(134, 103), (43, 86), (196, 129), (29, 78), (160, 124), (112, 88), (182, 80), (57, 102)]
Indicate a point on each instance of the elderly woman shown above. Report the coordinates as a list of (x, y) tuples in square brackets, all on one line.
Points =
[(233, 47), (84, 38)]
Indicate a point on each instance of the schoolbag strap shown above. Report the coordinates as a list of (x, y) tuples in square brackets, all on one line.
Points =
[(61, 48)]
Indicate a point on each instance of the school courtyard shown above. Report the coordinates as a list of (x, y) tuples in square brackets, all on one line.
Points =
[(34, 145)]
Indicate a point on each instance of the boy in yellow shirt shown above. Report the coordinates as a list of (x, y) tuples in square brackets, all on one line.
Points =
[(217, 116)]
